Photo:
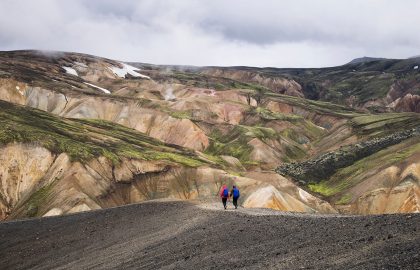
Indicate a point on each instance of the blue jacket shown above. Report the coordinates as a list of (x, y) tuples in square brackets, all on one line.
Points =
[(235, 193)]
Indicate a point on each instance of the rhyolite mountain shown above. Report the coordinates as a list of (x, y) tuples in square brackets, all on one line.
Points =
[(80, 132)]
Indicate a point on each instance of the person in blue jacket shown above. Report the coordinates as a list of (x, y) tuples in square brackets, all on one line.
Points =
[(234, 193)]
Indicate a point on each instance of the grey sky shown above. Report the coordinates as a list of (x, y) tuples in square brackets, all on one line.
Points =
[(295, 33)]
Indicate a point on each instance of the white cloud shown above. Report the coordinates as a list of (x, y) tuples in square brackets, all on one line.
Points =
[(294, 33)]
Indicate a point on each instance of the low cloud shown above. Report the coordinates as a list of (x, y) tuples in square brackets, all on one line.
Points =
[(293, 33)]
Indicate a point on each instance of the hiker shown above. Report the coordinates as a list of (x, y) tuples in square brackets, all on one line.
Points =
[(235, 194), (224, 194)]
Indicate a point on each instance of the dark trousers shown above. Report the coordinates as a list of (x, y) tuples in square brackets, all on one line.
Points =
[(235, 201), (224, 200)]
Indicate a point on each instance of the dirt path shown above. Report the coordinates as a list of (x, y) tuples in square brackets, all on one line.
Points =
[(180, 235)]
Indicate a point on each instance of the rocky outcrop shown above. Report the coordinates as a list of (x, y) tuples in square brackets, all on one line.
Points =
[(233, 163), (13, 91), (399, 192), (35, 182), (269, 197), (401, 199), (21, 172), (407, 103), (279, 193), (263, 153)]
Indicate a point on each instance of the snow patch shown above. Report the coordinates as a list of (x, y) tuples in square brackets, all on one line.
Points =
[(80, 64), (415, 67), (100, 88), (127, 69), (70, 71), (80, 67)]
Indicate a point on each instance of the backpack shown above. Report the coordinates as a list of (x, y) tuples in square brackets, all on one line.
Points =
[(225, 193), (236, 193)]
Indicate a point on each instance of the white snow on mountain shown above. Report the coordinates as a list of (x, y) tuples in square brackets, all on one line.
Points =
[(127, 69), (100, 88), (80, 64), (71, 71)]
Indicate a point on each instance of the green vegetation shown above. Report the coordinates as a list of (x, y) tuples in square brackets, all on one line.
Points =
[(345, 199), (266, 114), (85, 139), (334, 172), (321, 188), (36, 199), (365, 86), (357, 82), (211, 82), (382, 124), (313, 130), (261, 133), (354, 174), (238, 148), (293, 152), (352, 83), (321, 107), (233, 144), (181, 114)]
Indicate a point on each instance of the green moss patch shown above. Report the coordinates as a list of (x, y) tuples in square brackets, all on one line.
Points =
[(236, 142), (382, 124), (36, 199), (266, 114), (181, 114), (317, 106)]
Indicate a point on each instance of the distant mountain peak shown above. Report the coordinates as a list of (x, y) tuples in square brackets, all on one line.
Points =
[(414, 57), (365, 59)]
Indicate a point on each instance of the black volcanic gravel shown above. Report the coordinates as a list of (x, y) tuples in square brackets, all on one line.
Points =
[(180, 235)]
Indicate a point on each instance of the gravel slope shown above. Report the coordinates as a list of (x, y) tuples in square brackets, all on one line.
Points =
[(180, 235)]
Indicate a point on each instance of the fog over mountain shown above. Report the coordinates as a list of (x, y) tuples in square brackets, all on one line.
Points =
[(254, 33)]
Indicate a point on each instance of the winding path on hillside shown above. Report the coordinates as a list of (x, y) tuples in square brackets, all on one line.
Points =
[(183, 235)]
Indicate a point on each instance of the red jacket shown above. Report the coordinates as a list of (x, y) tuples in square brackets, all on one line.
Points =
[(221, 191)]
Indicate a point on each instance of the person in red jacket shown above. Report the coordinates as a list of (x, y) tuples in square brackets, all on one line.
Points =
[(224, 194)]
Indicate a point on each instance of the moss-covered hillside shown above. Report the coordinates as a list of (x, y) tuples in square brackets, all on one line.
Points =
[(84, 139)]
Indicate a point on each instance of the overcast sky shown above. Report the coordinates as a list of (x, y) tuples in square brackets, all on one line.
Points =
[(295, 33)]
